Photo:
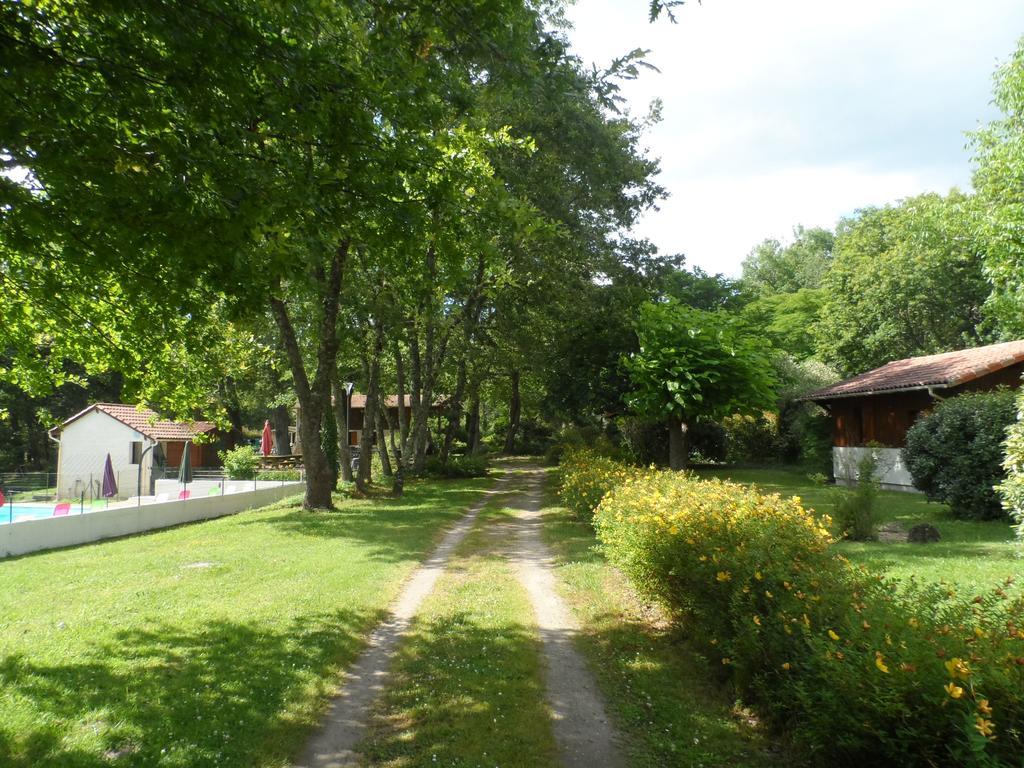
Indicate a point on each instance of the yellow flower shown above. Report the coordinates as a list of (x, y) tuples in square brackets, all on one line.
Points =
[(833, 635), (913, 623), (880, 662), (807, 622), (984, 727), (954, 690), (786, 666), (727, 660), (757, 620), (758, 576), (723, 576), (958, 669), (984, 707)]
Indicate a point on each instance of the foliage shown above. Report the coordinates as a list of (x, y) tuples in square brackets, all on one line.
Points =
[(955, 453), (240, 463), (805, 429), (999, 181), (772, 268), (788, 319), (854, 511), (696, 364), (1011, 490), (752, 438), (475, 465), (859, 668), (584, 477), (906, 280)]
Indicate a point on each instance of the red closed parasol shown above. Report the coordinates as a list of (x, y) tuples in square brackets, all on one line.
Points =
[(267, 440)]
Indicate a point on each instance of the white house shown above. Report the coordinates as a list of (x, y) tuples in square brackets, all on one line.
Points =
[(131, 436)]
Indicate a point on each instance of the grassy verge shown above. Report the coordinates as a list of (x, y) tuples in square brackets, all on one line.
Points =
[(210, 644), (467, 687), (671, 709), (971, 555)]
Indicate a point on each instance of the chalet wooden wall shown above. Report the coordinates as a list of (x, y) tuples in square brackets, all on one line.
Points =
[(885, 418)]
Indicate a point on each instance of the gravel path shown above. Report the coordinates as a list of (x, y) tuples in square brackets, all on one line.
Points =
[(344, 726), (585, 736)]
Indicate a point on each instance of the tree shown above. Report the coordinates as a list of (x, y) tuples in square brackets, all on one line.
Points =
[(773, 268), (232, 156), (999, 181), (694, 365), (905, 280), (788, 319)]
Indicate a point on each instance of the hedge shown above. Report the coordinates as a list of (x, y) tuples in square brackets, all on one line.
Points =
[(859, 669)]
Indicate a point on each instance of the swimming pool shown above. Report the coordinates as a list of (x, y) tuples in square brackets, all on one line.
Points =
[(19, 512)]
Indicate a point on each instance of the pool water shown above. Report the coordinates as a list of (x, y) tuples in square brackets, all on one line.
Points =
[(19, 512)]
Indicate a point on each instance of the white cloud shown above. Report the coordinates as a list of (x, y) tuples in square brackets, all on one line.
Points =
[(800, 111)]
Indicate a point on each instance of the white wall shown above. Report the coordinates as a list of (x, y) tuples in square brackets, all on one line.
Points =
[(84, 445), (892, 471), (52, 532)]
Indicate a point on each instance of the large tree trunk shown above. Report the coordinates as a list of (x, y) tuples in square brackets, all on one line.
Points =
[(339, 403), (454, 411), (372, 370), (279, 419), (473, 419), (678, 443), (315, 397), (383, 428), (229, 399), (403, 421), (514, 410)]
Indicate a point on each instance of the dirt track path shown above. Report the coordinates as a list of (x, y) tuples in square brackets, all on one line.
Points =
[(585, 736), (583, 732), (333, 744)]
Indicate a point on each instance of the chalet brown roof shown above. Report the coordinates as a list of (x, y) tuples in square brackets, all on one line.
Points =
[(358, 401), (144, 421), (948, 369)]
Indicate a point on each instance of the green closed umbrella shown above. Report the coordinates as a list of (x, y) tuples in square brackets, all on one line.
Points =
[(185, 470)]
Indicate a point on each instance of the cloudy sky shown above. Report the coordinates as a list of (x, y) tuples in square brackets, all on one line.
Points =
[(779, 112)]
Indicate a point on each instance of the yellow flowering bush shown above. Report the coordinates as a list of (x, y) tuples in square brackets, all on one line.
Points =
[(861, 669), (585, 476)]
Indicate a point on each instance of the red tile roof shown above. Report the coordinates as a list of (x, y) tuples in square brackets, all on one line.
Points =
[(144, 421), (948, 369), (359, 401)]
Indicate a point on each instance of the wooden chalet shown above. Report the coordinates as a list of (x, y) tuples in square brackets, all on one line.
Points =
[(879, 406)]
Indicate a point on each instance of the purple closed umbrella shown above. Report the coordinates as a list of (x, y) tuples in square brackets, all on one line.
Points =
[(109, 481)]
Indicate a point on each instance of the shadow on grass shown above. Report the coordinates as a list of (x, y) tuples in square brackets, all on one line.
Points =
[(171, 698), (392, 527), (464, 694)]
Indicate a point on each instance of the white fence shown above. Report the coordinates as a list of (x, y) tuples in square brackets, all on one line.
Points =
[(53, 532)]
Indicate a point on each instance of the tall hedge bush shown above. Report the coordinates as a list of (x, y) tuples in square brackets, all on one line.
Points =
[(859, 669), (1012, 489), (955, 453)]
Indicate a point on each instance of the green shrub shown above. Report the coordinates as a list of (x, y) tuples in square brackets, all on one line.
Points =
[(585, 476), (861, 670), (476, 465), (955, 453), (279, 474), (1011, 490), (241, 462), (752, 439), (854, 510)]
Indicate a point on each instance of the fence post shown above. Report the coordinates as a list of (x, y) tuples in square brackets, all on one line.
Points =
[(81, 503)]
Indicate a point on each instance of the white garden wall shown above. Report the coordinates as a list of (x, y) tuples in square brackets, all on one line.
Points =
[(892, 470), (52, 532)]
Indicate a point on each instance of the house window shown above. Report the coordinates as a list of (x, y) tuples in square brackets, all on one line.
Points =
[(136, 452)]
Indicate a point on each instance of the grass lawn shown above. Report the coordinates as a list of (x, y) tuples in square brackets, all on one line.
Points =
[(670, 708), (207, 644), (467, 689), (972, 555)]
